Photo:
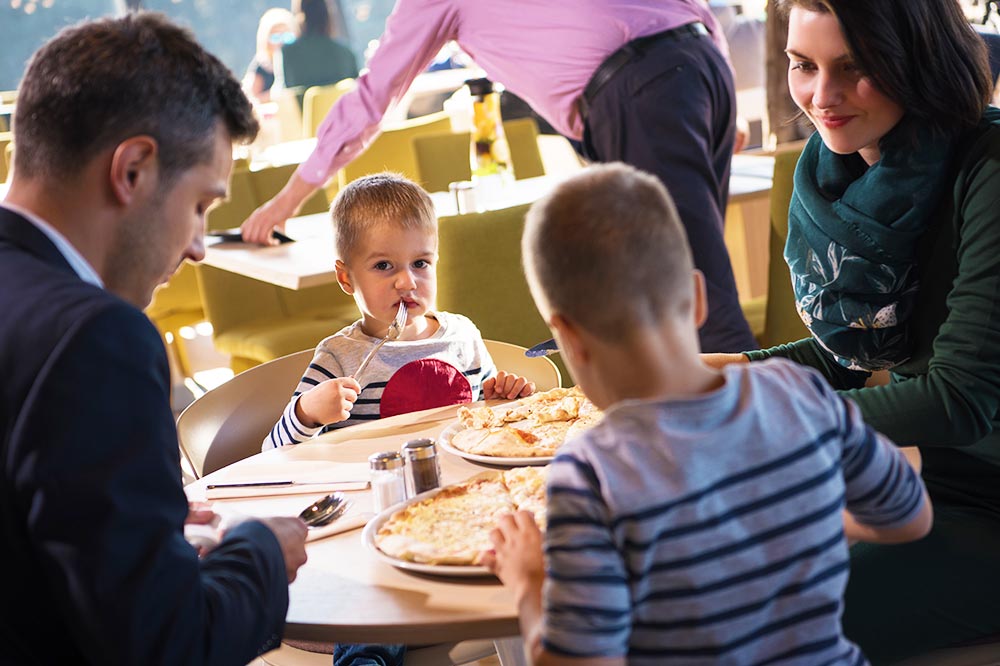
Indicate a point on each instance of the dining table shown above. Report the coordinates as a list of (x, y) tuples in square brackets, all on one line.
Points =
[(347, 592)]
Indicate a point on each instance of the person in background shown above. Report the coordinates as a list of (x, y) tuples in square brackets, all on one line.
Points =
[(893, 239), (277, 28), (645, 82), (125, 129), (386, 242), (702, 520), (315, 58)]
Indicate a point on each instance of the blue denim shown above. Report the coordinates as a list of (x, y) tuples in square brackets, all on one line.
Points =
[(365, 654)]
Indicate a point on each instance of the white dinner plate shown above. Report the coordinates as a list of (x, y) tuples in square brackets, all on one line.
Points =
[(376, 523), (444, 440)]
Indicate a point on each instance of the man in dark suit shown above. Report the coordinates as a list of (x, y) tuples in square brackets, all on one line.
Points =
[(124, 131)]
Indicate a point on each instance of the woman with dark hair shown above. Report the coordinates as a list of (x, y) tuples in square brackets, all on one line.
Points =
[(315, 58), (894, 251)]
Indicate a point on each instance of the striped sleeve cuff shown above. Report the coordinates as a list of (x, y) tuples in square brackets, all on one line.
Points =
[(288, 429)]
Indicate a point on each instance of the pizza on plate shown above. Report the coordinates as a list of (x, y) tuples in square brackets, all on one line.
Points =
[(453, 526), (528, 428)]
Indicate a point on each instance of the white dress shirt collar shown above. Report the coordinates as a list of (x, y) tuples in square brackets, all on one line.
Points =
[(66, 249)]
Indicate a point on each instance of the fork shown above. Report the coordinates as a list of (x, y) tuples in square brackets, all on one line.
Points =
[(395, 328)]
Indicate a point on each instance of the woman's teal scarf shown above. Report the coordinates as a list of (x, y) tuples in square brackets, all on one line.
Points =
[(852, 241)]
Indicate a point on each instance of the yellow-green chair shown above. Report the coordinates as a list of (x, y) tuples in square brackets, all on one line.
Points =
[(773, 318), (522, 136), (175, 305), (6, 140), (317, 102), (444, 158), (254, 321), (480, 276), (393, 150)]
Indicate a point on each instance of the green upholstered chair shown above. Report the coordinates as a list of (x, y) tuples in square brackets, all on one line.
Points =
[(266, 182), (393, 150), (317, 102), (773, 318), (522, 136), (254, 321), (480, 276), (175, 305), (6, 139)]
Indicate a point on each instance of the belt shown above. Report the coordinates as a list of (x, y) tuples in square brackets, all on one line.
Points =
[(637, 47)]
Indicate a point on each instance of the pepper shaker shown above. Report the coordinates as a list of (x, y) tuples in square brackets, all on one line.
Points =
[(424, 470), (388, 482)]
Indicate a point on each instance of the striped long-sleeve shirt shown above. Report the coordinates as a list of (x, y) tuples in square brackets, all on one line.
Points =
[(710, 530), (405, 376)]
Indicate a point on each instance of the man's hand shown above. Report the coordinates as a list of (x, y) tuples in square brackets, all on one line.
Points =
[(291, 535), (328, 402), (516, 558), (505, 385), (201, 527)]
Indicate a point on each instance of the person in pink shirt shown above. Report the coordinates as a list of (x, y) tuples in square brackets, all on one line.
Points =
[(645, 82)]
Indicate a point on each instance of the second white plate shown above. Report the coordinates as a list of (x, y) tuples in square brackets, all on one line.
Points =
[(444, 440)]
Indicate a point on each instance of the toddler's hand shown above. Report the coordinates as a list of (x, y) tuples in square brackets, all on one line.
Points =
[(328, 402), (516, 558), (505, 385)]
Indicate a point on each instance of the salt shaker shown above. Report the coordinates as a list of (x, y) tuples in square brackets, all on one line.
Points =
[(388, 482), (424, 470)]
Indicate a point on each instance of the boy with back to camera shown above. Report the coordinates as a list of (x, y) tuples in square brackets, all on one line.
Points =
[(703, 520), (386, 242)]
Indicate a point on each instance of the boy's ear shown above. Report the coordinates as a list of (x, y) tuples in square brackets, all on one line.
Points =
[(567, 334), (344, 278), (700, 298)]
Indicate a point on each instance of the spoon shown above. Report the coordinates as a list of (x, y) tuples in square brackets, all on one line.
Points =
[(325, 510), (395, 328)]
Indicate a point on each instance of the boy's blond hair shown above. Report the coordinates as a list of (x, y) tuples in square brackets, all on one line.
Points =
[(382, 198), (607, 250)]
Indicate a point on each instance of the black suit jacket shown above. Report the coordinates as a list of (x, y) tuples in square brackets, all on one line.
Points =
[(95, 565)]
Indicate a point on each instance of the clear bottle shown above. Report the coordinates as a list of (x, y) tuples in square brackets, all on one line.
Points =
[(388, 479), (489, 151), (423, 467)]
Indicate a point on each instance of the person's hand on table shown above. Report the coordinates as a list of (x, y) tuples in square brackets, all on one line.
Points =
[(505, 385), (274, 213), (291, 535), (330, 401), (516, 558), (201, 527)]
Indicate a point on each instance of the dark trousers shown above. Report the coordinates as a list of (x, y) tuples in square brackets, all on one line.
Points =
[(671, 112), (944, 590)]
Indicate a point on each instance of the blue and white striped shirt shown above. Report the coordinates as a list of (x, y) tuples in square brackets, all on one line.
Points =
[(440, 370), (710, 530)]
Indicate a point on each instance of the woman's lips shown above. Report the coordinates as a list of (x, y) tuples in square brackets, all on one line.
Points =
[(834, 122)]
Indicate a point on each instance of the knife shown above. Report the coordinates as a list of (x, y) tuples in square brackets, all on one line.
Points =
[(265, 484), (546, 348)]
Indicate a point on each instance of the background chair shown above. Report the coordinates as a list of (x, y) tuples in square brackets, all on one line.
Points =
[(480, 276), (253, 321), (392, 150), (773, 318), (317, 102), (175, 305), (509, 357), (229, 422), (5, 140)]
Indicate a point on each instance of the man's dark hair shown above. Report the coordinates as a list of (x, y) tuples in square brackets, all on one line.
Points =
[(922, 54), (314, 17), (98, 83)]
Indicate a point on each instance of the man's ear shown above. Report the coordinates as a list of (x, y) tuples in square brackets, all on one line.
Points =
[(135, 169), (567, 334), (700, 298), (344, 278)]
